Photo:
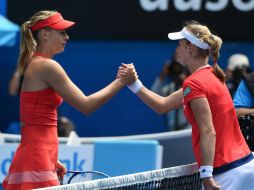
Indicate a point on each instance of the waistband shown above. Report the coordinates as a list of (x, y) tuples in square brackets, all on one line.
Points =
[(233, 164)]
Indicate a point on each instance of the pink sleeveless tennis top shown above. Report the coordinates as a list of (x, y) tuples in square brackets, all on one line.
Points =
[(34, 163)]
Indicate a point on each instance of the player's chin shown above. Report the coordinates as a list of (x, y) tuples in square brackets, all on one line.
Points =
[(61, 50)]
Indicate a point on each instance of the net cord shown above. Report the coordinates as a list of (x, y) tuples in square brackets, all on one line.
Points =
[(130, 179)]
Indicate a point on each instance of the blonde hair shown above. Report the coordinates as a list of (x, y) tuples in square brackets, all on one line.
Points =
[(203, 33), (29, 39)]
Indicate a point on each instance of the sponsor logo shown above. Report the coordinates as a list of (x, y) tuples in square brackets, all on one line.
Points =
[(6, 164), (186, 91), (196, 5), (72, 157), (74, 162)]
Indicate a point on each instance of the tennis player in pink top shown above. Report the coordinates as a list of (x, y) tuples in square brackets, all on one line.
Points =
[(221, 152), (45, 85)]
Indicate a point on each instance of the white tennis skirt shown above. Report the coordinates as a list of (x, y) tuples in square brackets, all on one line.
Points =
[(239, 178)]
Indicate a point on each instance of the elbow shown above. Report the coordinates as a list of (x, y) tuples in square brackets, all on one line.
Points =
[(213, 134), (13, 91), (161, 110), (210, 132), (87, 111), (86, 108)]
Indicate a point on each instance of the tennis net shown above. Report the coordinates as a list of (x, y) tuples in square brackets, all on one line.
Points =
[(185, 177)]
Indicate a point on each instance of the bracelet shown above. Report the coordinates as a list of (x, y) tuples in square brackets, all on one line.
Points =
[(136, 86), (206, 171)]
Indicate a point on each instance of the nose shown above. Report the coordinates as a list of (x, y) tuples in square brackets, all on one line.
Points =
[(66, 37)]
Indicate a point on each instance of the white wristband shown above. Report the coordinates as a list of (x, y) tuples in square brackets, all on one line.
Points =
[(206, 171), (136, 86)]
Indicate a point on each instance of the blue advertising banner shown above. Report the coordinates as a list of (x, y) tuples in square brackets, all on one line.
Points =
[(73, 157)]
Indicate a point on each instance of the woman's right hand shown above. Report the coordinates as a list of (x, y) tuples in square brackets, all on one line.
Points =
[(61, 170), (210, 184), (127, 74)]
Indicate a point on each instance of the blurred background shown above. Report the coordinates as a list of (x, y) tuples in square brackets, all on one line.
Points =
[(110, 32)]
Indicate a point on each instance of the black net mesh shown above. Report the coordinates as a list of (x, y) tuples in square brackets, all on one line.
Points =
[(247, 127), (184, 177)]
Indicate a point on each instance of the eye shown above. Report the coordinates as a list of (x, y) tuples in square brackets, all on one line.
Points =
[(62, 32)]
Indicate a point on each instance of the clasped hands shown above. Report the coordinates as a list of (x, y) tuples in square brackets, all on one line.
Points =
[(127, 74)]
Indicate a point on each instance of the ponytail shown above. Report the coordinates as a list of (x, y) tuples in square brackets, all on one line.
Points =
[(215, 45), (29, 39), (27, 46), (203, 33), (219, 72)]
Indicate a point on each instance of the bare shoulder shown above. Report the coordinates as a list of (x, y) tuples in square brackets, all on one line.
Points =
[(44, 66), (44, 71), (48, 64), (39, 71)]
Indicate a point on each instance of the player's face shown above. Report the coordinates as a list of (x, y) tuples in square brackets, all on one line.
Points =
[(57, 40), (181, 53)]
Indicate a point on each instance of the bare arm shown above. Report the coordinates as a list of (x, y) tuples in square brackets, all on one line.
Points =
[(203, 116), (244, 111), (14, 84), (161, 104), (156, 102), (56, 78)]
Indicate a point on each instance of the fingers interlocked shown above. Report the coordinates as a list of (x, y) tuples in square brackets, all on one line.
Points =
[(127, 73)]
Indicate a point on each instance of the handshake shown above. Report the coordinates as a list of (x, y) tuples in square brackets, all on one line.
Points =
[(128, 76)]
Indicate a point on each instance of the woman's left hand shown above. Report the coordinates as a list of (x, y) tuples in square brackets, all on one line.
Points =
[(127, 74), (210, 184), (61, 170)]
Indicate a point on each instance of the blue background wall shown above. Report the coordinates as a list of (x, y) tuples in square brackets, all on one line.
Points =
[(92, 65), (3, 7)]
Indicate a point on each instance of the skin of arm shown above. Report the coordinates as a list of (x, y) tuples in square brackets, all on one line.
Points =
[(14, 84), (202, 113), (61, 170), (244, 111), (161, 104), (201, 109), (54, 75)]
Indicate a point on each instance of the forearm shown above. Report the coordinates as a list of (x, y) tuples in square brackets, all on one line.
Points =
[(161, 104), (14, 84), (97, 99), (151, 99), (244, 111), (203, 116), (207, 146)]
